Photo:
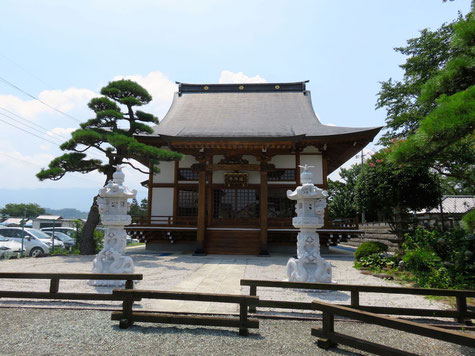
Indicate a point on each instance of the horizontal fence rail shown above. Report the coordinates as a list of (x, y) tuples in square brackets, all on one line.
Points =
[(54, 285), (462, 314), (127, 317), (329, 338)]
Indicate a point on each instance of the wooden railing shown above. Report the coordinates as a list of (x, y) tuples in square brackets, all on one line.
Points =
[(127, 317), (54, 285), (461, 313), (165, 220), (329, 338)]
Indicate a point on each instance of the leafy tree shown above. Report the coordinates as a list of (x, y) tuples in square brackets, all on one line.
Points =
[(393, 190), (434, 105), (18, 210), (137, 209), (111, 133), (341, 200)]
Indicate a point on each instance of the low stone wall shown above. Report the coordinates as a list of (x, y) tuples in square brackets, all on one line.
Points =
[(375, 232)]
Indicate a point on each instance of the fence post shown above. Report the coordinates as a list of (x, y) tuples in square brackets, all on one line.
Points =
[(462, 309), (127, 318), (243, 330), (129, 284), (328, 327), (355, 298), (54, 286), (253, 293)]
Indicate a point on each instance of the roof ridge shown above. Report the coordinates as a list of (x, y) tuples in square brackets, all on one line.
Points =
[(241, 87)]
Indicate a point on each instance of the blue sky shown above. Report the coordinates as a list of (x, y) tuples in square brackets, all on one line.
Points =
[(63, 52)]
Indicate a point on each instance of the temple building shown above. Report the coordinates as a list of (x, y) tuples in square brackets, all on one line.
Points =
[(242, 146)]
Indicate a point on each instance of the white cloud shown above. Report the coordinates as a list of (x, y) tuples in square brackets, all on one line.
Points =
[(159, 86), (64, 100), (231, 77), (61, 131)]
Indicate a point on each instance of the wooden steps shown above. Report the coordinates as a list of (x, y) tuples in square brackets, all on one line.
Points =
[(232, 242)]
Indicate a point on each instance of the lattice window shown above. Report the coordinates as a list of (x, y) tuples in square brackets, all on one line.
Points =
[(187, 174), (187, 202), (235, 203), (282, 175), (247, 203), (278, 205)]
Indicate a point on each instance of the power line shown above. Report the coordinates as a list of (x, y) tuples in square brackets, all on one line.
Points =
[(31, 133), (31, 163), (23, 69), (93, 154), (33, 123), (41, 101), (32, 128)]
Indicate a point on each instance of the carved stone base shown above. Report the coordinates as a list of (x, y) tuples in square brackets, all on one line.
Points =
[(309, 266), (299, 271), (111, 261)]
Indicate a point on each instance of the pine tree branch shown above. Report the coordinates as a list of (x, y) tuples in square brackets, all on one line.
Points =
[(136, 168)]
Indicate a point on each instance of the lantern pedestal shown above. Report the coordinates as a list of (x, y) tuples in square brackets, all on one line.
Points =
[(310, 208), (113, 207)]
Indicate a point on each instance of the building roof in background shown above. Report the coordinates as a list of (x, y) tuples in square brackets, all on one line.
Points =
[(49, 217), (456, 204), (15, 222)]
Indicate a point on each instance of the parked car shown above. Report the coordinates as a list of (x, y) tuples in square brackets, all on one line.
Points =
[(67, 241), (36, 242), (71, 232), (9, 248)]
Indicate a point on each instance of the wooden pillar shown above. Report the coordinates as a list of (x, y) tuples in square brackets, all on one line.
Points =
[(150, 194), (200, 236), (175, 193), (263, 214)]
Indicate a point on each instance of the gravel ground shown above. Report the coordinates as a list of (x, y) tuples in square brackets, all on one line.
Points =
[(167, 272), (91, 332)]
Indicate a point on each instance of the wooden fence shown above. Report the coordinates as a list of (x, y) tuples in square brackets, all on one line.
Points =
[(127, 317), (54, 285), (462, 314), (329, 338)]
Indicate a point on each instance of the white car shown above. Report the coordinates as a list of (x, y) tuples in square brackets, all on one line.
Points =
[(9, 248), (36, 242)]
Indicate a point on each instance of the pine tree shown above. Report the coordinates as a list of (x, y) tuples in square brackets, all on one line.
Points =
[(111, 133)]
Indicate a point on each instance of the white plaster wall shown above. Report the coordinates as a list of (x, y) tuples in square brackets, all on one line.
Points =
[(167, 173), (251, 159), (254, 177), (317, 171), (310, 149), (217, 158), (162, 201), (187, 161), (283, 161)]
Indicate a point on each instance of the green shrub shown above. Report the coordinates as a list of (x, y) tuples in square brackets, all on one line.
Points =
[(369, 248), (421, 260)]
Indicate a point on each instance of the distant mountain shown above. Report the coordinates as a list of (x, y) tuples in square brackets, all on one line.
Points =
[(67, 213)]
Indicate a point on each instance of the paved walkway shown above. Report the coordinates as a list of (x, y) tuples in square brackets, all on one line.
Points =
[(209, 274)]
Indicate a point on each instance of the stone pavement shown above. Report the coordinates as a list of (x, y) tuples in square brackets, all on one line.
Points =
[(208, 274)]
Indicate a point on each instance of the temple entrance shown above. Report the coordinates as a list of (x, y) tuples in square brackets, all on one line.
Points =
[(235, 223), (236, 205)]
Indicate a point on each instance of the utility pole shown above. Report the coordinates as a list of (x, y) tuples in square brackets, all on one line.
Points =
[(363, 217), (23, 232)]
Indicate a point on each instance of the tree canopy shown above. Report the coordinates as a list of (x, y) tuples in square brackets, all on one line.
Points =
[(341, 199), (433, 107), (110, 133), (31, 210), (393, 189)]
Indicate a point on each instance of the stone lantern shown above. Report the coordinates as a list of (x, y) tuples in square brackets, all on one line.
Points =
[(310, 209), (113, 207)]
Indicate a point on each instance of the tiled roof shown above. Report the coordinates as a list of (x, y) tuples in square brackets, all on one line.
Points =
[(456, 204)]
